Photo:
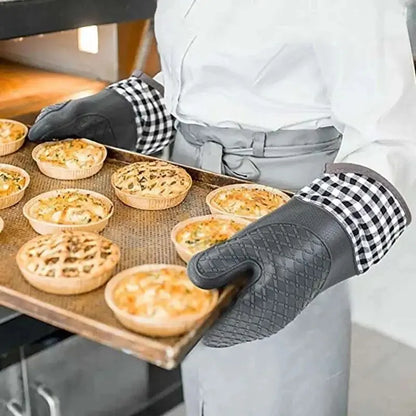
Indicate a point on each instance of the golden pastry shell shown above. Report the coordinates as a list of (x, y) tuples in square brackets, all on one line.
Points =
[(9, 200), (184, 253), (151, 203), (15, 145), (150, 326), (217, 210), (45, 227), (69, 285), (63, 173)]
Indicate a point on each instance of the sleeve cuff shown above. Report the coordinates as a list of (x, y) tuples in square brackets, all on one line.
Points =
[(337, 168), (371, 210), (149, 81)]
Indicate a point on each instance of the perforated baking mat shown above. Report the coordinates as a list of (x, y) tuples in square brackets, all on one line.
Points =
[(143, 236)]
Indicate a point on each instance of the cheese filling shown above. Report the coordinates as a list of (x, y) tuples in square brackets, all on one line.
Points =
[(10, 132), (70, 208), (247, 201), (199, 236), (71, 154), (163, 293), (10, 182)]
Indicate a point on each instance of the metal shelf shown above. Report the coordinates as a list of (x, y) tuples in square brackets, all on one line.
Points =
[(30, 17)]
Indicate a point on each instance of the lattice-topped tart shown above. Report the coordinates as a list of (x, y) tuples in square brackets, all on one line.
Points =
[(158, 300), (70, 158), (199, 233), (75, 209), (12, 136), (13, 183), (151, 185), (70, 262), (249, 201)]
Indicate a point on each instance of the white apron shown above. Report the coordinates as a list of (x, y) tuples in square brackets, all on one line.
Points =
[(304, 369)]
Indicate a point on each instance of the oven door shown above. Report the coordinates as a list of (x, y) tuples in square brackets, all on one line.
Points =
[(83, 378), (14, 397), (45, 371)]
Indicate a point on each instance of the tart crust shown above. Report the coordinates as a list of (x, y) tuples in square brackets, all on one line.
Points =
[(68, 209), (151, 185), (12, 136), (199, 233), (70, 159), (158, 300), (12, 175), (67, 263), (248, 201)]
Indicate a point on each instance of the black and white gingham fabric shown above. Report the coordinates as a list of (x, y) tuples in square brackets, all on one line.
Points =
[(155, 126), (370, 213)]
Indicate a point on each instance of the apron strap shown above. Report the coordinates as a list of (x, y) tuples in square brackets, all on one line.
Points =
[(259, 143), (213, 159), (211, 156)]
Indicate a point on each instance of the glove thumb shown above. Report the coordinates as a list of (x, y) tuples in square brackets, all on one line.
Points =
[(221, 265), (48, 122)]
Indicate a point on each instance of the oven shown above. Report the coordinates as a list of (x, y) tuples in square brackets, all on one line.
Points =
[(51, 51)]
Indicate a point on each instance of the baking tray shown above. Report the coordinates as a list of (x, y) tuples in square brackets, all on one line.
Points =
[(143, 236)]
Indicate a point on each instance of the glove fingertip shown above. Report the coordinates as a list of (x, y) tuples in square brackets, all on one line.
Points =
[(38, 134), (34, 135)]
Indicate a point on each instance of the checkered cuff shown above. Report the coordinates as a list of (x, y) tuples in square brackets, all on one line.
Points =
[(370, 209), (155, 126)]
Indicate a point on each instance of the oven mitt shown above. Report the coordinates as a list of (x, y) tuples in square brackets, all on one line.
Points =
[(129, 114), (333, 229)]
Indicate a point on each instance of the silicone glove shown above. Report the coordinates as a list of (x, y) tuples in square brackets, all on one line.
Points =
[(129, 114), (331, 230)]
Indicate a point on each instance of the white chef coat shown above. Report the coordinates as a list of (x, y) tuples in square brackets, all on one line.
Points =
[(282, 64)]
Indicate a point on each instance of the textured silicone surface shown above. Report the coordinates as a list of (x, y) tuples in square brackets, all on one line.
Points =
[(292, 255), (106, 117)]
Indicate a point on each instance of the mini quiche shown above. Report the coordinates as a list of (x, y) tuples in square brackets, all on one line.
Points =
[(68, 209), (12, 136), (70, 159), (13, 183), (68, 263), (199, 233), (158, 300), (249, 201), (151, 185)]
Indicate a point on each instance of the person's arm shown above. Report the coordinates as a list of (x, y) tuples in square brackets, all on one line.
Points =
[(366, 62), (129, 114), (347, 220)]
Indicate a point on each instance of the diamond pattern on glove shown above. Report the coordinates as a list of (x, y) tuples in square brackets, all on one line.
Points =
[(293, 267)]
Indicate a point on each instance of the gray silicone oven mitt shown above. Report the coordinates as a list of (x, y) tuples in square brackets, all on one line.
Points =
[(105, 117), (293, 254), (290, 255)]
